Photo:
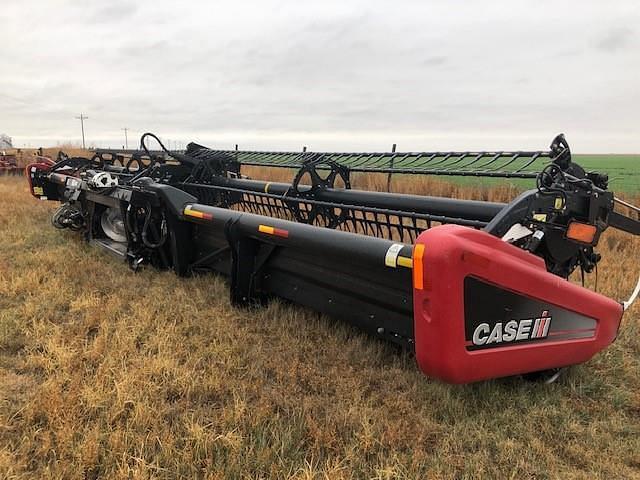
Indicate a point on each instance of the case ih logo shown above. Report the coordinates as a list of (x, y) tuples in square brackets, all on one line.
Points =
[(513, 331)]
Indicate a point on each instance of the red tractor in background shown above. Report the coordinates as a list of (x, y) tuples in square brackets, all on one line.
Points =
[(14, 163), (9, 165)]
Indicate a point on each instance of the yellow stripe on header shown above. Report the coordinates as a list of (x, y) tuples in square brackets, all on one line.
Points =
[(266, 229), (405, 262), (196, 214), (278, 232)]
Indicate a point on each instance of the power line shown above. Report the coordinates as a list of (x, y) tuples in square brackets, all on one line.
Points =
[(82, 118)]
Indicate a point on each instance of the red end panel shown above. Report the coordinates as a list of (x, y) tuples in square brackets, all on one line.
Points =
[(488, 309), (33, 171)]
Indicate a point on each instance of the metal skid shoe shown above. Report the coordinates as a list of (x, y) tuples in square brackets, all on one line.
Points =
[(545, 376), (135, 263)]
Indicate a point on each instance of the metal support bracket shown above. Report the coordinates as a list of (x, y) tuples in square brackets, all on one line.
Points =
[(249, 257)]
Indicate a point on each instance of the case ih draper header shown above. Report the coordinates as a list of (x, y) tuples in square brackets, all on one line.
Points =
[(477, 289)]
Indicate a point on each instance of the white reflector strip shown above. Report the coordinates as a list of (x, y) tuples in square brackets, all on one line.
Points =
[(390, 259)]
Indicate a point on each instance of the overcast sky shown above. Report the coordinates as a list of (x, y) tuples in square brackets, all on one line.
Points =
[(360, 74)]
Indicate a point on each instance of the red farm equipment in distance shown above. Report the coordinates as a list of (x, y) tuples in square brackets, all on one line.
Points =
[(9, 165)]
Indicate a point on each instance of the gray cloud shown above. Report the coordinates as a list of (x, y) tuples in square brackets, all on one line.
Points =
[(113, 12), (435, 60), (361, 74), (616, 39)]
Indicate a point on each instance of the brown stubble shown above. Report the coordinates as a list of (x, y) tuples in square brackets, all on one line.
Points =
[(110, 374)]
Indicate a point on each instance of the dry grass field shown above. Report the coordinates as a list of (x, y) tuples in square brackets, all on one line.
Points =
[(109, 374)]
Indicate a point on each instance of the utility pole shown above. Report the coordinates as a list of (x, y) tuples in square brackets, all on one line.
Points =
[(82, 118), (126, 140)]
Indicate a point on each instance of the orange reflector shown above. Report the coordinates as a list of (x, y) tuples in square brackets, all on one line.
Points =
[(278, 232), (581, 232), (196, 214), (418, 253)]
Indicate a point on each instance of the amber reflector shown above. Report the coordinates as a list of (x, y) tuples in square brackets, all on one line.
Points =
[(581, 232)]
